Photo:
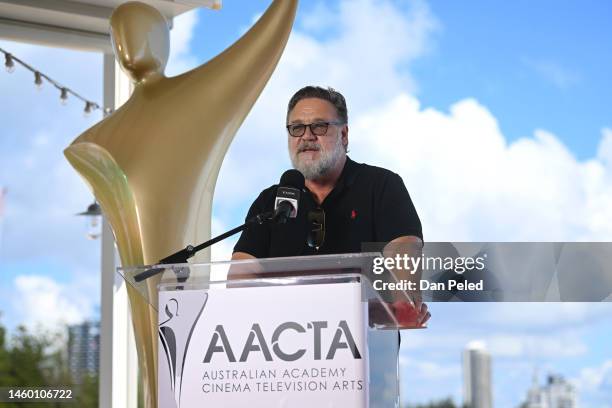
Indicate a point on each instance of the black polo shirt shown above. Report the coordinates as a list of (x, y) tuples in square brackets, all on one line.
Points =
[(368, 204)]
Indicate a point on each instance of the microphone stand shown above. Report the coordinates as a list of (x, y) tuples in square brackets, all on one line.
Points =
[(189, 251)]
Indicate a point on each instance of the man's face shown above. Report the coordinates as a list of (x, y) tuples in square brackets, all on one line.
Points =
[(314, 156)]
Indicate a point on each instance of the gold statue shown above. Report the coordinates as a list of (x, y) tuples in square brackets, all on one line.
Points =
[(154, 162)]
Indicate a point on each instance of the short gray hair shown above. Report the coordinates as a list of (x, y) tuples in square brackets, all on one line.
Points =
[(330, 94)]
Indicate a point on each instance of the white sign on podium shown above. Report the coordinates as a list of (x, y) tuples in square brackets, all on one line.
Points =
[(285, 346)]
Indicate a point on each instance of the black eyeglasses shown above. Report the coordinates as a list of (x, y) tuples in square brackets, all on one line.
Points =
[(316, 128), (316, 232)]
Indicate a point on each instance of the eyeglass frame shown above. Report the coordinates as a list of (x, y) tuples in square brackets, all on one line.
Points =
[(310, 125)]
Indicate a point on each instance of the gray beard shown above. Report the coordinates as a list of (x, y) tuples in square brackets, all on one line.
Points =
[(321, 167)]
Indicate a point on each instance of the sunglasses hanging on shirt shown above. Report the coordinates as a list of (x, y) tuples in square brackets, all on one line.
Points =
[(316, 230)]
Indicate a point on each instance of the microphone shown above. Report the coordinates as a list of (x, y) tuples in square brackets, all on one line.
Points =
[(288, 196)]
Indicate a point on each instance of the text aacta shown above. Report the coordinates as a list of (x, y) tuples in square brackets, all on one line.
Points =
[(256, 342)]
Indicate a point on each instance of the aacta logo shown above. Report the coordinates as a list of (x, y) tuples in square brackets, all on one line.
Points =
[(256, 342)]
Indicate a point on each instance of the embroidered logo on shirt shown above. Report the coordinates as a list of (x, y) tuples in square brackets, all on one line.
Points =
[(353, 214)]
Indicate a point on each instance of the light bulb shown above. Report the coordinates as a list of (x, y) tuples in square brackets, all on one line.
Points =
[(64, 96), (88, 107), (9, 64), (38, 80), (95, 227)]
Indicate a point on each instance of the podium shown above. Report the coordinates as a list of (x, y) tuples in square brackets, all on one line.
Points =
[(279, 332)]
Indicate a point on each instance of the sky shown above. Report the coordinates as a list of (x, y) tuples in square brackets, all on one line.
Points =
[(495, 114)]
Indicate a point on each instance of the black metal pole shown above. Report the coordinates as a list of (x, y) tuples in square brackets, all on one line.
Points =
[(184, 254)]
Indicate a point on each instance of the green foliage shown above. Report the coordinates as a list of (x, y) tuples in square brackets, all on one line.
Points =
[(88, 393), (445, 403), (30, 360)]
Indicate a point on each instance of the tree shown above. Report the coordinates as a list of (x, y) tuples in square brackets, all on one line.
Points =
[(30, 360), (445, 403)]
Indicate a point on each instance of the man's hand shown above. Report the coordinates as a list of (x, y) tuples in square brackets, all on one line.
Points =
[(241, 270), (409, 315), (238, 256)]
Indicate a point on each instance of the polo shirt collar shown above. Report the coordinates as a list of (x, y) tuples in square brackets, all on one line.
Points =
[(346, 179), (349, 172)]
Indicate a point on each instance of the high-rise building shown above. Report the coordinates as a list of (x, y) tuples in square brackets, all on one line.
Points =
[(83, 350), (556, 393), (477, 392)]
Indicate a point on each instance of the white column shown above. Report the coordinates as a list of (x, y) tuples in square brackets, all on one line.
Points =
[(106, 317), (118, 358)]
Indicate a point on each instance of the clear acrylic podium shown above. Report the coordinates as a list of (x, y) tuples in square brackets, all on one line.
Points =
[(280, 332)]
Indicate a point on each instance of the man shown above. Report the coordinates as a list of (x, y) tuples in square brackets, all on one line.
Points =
[(358, 203)]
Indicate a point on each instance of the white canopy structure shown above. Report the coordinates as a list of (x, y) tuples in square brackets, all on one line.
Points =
[(80, 24)]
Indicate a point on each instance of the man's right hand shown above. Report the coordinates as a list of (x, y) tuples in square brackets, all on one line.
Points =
[(410, 315)]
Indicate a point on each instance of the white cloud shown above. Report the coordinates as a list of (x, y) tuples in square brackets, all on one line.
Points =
[(468, 183), (555, 347), (39, 210), (471, 185), (44, 192), (41, 234), (181, 59), (552, 335), (430, 370), (320, 19), (424, 379), (44, 302), (592, 378), (536, 346), (594, 384), (366, 80), (340, 61), (518, 347), (604, 151), (476, 345), (222, 251), (545, 317), (553, 72)]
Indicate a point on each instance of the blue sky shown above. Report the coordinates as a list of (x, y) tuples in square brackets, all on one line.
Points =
[(496, 115), (533, 64), (541, 64)]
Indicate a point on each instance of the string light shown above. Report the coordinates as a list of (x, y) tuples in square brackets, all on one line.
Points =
[(64, 96), (40, 78), (88, 107), (9, 64)]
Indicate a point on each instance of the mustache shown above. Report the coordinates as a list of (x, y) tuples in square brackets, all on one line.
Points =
[(308, 146)]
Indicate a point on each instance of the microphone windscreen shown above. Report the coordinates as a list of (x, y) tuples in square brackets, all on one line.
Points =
[(292, 178)]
